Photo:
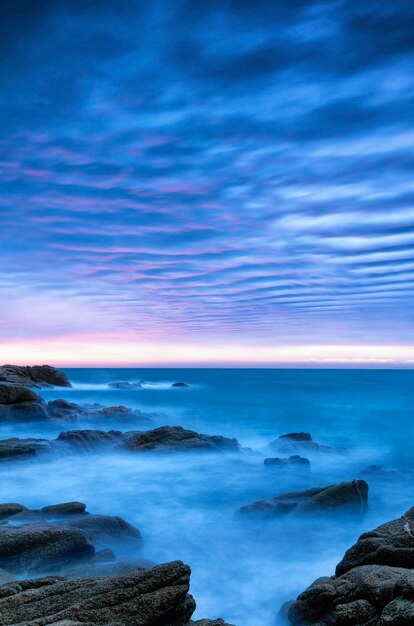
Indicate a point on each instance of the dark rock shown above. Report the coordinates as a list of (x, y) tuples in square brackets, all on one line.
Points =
[(31, 548), (139, 598), (105, 528), (125, 385), (180, 385), (369, 595), (90, 440), (34, 376), (61, 410), (11, 393), (297, 436), (209, 622), (10, 509), (352, 496), (177, 438), (389, 544), (22, 448), (292, 461), (66, 508)]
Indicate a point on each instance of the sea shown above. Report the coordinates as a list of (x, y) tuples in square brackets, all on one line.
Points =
[(186, 504)]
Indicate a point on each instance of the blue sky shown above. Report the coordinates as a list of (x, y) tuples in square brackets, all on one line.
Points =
[(227, 173)]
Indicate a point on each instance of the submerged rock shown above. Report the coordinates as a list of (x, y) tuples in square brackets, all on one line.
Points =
[(90, 440), (352, 496), (34, 376), (178, 439), (22, 448), (9, 509), (125, 385), (292, 461), (138, 598), (179, 384), (301, 443)]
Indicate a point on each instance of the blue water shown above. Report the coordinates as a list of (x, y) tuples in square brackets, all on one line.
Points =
[(185, 505)]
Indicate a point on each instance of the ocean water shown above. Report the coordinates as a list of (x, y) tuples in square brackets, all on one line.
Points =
[(186, 504)]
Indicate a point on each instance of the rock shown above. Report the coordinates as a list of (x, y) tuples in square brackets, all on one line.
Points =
[(21, 448), (389, 544), (352, 496), (31, 548), (61, 410), (90, 440), (369, 595), (297, 436), (108, 567), (9, 509), (300, 444), (105, 528), (177, 438), (138, 598), (180, 385), (210, 622), (11, 393), (34, 376), (292, 461), (125, 385), (66, 508)]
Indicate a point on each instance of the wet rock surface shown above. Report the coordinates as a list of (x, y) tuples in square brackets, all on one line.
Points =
[(177, 438), (34, 376), (373, 585), (345, 496)]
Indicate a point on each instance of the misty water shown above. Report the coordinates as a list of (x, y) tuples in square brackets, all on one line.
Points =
[(185, 504)]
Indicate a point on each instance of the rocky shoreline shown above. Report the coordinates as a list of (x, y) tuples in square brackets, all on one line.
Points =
[(64, 566)]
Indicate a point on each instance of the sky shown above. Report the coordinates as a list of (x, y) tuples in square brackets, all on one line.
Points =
[(211, 182)]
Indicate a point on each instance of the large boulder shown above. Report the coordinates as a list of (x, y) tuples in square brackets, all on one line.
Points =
[(346, 496), (370, 595), (34, 376), (19, 403), (373, 585), (177, 438), (158, 596), (389, 544), (13, 393)]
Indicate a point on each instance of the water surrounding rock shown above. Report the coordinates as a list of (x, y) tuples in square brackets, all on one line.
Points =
[(351, 496), (301, 443), (34, 376), (180, 384), (297, 436)]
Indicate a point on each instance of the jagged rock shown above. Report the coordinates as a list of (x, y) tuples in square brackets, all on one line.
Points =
[(22, 448), (138, 598), (90, 440), (65, 508), (34, 376), (177, 438), (370, 595), (179, 384), (352, 496), (9, 509), (125, 385), (389, 544), (31, 548), (292, 461)]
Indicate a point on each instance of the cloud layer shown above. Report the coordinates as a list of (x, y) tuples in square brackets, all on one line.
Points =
[(224, 171)]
